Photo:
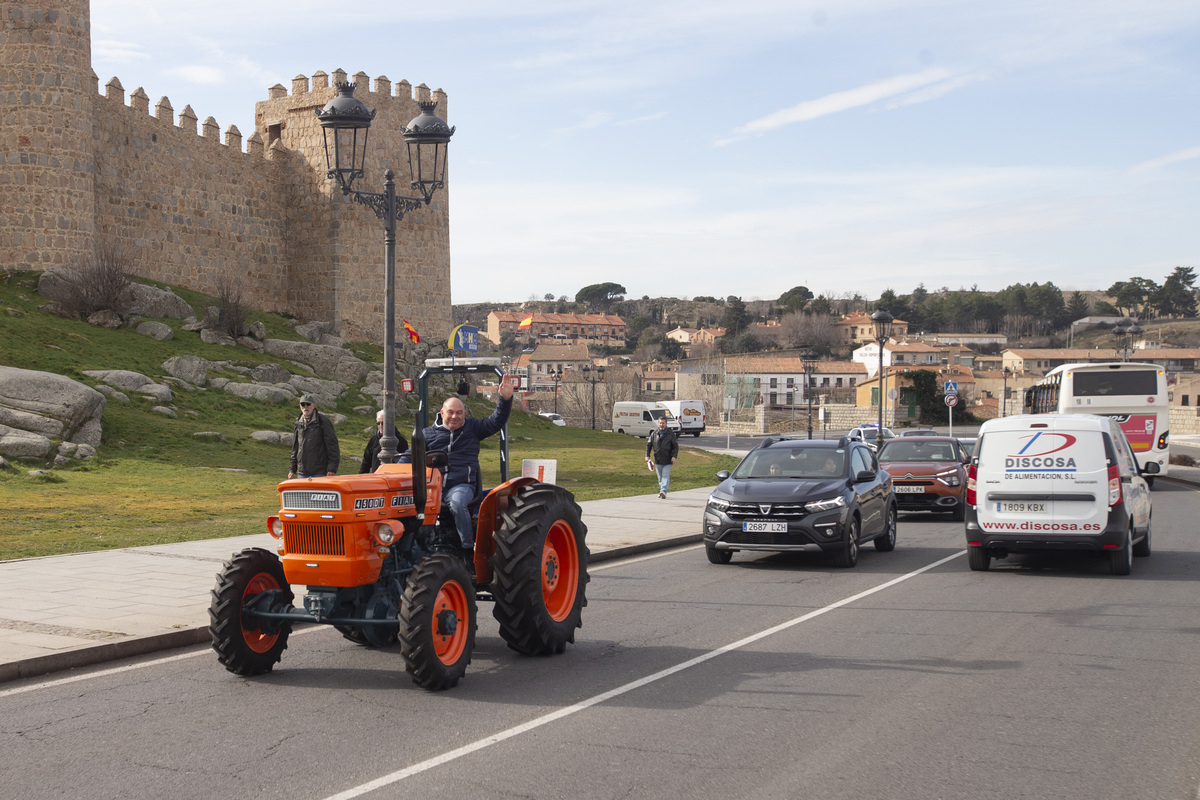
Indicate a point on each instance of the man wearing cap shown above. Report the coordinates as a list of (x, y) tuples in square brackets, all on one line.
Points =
[(315, 451)]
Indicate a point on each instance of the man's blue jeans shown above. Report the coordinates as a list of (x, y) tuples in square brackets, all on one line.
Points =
[(664, 476), (458, 499)]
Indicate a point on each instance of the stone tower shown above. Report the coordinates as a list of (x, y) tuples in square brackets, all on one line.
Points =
[(47, 163)]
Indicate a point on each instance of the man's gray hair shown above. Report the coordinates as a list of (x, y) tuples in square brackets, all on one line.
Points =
[(379, 415)]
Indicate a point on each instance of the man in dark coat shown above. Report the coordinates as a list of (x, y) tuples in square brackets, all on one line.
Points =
[(315, 451), (459, 436), (370, 459), (663, 444)]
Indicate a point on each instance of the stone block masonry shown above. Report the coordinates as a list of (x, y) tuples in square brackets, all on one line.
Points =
[(78, 167)]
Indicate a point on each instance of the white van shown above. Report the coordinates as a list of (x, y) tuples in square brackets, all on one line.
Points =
[(1056, 482), (640, 419), (690, 414)]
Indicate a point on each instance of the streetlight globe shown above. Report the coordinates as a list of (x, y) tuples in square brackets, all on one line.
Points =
[(348, 120), (428, 138)]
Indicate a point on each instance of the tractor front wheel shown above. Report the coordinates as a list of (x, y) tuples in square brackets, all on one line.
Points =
[(242, 645), (437, 622), (539, 570)]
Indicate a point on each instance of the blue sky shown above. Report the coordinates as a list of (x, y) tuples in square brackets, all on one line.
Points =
[(743, 148)]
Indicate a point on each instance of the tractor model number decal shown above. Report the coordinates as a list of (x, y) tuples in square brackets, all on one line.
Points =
[(368, 502), (402, 500)]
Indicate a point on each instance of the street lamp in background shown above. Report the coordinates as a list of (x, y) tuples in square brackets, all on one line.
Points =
[(345, 122), (1004, 394), (556, 376), (882, 321), (810, 364), (1125, 333), (587, 376)]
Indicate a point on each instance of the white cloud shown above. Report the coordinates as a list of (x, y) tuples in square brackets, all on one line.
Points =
[(1186, 154), (842, 101), (197, 73)]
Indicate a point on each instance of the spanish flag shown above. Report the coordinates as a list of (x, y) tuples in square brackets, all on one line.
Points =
[(525, 323), (412, 333)]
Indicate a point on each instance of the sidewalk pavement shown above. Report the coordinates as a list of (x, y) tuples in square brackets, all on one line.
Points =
[(70, 611)]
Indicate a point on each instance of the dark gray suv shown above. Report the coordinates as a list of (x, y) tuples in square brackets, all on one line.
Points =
[(802, 495)]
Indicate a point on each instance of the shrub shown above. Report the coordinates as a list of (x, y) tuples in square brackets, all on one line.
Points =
[(98, 284)]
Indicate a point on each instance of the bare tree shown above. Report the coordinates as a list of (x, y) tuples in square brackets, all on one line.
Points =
[(232, 314), (98, 284), (799, 329)]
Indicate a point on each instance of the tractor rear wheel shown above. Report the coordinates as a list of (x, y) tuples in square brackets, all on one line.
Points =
[(539, 570), (242, 646), (437, 622)]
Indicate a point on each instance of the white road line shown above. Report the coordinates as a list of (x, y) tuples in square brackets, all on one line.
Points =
[(496, 738), (53, 682)]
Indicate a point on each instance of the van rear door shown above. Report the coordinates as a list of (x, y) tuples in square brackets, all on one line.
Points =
[(1042, 478)]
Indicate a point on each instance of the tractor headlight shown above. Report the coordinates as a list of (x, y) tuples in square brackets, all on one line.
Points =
[(385, 533), (275, 527)]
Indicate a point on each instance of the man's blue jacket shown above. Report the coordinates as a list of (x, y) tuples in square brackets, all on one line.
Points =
[(462, 445)]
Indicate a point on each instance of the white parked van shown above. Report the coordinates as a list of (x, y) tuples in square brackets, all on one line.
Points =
[(690, 414), (1056, 482), (641, 419)]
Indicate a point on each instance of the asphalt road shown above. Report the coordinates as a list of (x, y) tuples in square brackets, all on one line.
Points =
[(776, 676)]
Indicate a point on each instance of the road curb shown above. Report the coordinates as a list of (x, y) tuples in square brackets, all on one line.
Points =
[(189, 637)]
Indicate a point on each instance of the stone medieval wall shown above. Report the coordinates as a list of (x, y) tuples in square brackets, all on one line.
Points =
[(78, 167)]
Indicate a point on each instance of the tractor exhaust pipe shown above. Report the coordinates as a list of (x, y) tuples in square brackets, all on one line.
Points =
[(418, 473)]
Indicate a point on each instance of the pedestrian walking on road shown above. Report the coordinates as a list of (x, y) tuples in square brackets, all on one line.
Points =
[(315, 451), (662, 448)]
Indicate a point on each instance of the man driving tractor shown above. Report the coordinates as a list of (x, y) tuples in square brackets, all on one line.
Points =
[(460, 436)]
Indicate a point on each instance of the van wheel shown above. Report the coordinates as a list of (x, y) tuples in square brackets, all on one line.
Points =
[(848, 555), (1150, 481), (960, 512), (620, 430), (1120, 561), (978, 558), (696, 434), (1142, 548)]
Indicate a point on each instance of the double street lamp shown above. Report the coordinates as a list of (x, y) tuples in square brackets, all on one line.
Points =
[(882, 321), (1125, 332), (1004, 394), (810, 365), (556, 376), (587, 376), (345, 122)]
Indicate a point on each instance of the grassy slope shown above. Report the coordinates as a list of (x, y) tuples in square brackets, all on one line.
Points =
[(153, 482)]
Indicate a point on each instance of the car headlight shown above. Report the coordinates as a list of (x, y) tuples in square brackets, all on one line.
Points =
[(826, 505), (716, 503), (950, 478)]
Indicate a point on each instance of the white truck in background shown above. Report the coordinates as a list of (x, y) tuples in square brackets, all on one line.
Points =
[(641, 419), (690, 414)]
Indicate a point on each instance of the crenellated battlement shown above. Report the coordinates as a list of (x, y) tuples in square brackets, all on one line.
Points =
[(85, 163), (139, 102), (381, 89)]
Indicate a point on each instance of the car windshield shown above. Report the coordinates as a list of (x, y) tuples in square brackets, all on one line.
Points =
[(793, 462), (901, 450)]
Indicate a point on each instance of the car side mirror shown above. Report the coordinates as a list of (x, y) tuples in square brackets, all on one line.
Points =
[(723, 475), (437, 459), (1149, 468), (864, 476)]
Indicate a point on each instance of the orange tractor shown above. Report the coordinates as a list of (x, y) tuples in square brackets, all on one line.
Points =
[(381, 562)]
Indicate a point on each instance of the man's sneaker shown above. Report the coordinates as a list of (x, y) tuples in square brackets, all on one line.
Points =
[(662, 495)]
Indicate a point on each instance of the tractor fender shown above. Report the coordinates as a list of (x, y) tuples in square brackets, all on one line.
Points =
[(493, 503)]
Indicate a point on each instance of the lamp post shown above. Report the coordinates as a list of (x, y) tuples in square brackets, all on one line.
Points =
[(587, 376), (345, 122), (1125, 333), (882, 321), (1004, 394), (810, 365), (556, 376)]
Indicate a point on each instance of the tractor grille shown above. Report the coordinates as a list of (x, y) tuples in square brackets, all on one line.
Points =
[(310, 500), (778, 512), (314, 540)]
